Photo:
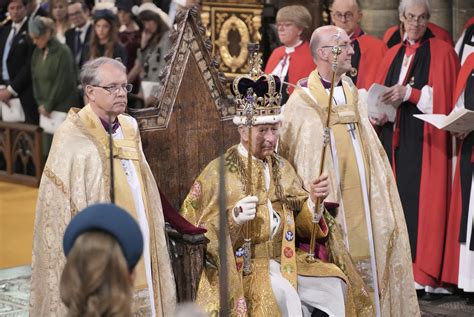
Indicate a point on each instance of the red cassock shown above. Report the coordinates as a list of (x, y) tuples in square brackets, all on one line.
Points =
[(426, 221), (451, 267), (301, 63), (393, 35), (369, 53)]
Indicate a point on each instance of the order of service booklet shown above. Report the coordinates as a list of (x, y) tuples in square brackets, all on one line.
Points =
[(460, 121)]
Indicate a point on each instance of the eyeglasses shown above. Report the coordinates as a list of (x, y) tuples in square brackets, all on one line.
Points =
[(347, 16), (115, 88), (73, 14), (411, 18), (345, 47)]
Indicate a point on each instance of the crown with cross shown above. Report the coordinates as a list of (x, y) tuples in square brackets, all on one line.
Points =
[(257, 95)]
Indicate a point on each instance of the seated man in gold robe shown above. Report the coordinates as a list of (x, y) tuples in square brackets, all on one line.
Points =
[(77, 174), (361, 181), (277, 214)]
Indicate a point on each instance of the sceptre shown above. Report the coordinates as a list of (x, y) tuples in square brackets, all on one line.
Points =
[(336, 51)]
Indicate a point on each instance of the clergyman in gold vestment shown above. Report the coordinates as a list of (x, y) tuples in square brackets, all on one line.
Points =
[(278, 213), (370, 212), (77, 174)]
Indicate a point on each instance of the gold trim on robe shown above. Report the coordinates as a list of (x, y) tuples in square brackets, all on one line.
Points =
[(77, 175), (301, 141), (252, 295)]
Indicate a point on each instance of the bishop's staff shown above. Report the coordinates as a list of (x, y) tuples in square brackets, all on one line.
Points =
[(336, 51), (255, 72)]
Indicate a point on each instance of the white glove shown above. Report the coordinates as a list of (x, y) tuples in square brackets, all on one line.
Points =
[(245, 210)]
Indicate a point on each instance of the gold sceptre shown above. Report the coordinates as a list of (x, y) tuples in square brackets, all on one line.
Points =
[(336, 51), (255, 72), (247, 266)]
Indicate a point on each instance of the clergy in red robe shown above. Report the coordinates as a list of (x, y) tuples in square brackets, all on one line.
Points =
[(397, 33), (459, 269), (465, 45), (421, 72), (293, 60), (368, 50)]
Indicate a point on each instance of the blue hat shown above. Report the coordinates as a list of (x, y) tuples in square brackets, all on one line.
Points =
[(110, 219)]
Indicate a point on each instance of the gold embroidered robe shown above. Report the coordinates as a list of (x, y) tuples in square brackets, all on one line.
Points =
[(301, 141), (252, 294), (77, 175)]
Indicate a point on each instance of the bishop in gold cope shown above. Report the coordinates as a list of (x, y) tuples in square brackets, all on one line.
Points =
[(279, 215)]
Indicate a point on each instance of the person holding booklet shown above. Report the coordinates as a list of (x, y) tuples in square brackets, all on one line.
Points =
[(53, 75), (421, 73), (459, 237), (361, 183)]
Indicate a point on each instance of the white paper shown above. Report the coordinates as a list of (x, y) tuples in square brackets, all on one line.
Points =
[(468, 50), (50, 125), (150, 88), (375, 107), (13, 112), (460, 121)]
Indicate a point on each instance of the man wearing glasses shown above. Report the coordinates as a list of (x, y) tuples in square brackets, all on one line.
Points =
[(421, 73), (396, 34), (77, 174), (361, 182), (368, 50)]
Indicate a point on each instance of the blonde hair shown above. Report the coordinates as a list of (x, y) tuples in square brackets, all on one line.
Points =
[(96, 280), (297, 14)]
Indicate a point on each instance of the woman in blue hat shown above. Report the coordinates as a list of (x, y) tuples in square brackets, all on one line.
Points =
[(103, 244)]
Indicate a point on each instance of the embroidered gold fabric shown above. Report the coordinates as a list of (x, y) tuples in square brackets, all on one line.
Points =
[(77, 175), (301, 141), (250, 295)]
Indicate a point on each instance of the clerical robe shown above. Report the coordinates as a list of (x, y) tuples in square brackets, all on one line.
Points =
[(282, 218), (290, 64), (459, 270), (465, 44), (394, 35), (76, 175), (419, 152), (369, 213), (368, 54)]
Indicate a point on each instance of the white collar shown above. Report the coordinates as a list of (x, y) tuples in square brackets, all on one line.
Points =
[(84, 27), (19, 24), (243, 151), (291, 49)]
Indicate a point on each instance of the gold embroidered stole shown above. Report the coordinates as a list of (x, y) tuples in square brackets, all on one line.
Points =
[(350, 185), (288, 251), (127, 148)]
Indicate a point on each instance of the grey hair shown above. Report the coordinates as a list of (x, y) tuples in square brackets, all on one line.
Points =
[(405, 4), (89, 72)]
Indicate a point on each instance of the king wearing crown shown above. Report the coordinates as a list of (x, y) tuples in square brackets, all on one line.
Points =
[(269, 219)]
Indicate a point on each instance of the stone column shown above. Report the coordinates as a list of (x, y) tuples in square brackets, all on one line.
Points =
[(442, 14), (463, 10), (378, 16)]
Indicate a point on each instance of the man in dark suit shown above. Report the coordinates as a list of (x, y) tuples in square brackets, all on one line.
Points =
[(78, 37), (16, 49), (34, 9)]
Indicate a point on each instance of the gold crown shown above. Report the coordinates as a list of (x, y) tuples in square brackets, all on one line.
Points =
[(257, 95)]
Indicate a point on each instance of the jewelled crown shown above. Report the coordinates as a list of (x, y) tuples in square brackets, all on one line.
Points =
[(257, 95)]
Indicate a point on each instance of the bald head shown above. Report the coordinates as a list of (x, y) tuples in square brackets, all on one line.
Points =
[(322, 40), (327, 35)]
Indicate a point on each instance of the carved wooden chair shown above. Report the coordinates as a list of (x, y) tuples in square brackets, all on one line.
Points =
[(182, 134)]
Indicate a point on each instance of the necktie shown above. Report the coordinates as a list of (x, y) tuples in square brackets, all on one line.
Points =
[(77, 46), (6, 52)]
